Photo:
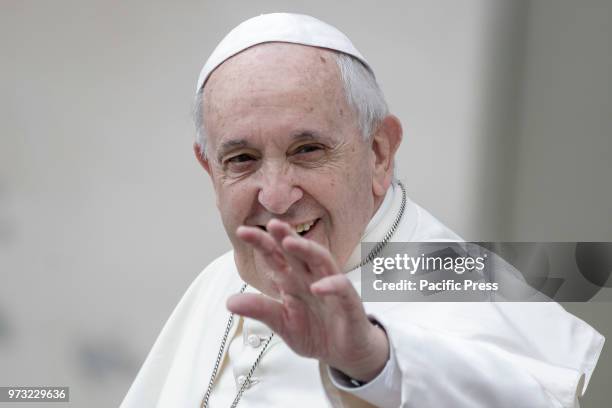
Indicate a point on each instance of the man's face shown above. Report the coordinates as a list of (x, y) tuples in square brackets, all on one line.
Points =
[(283, 143)]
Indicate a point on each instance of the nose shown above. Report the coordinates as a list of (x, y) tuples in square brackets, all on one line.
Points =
[(278, 192)]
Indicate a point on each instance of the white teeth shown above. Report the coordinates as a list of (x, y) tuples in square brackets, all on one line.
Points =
[(304, 227)]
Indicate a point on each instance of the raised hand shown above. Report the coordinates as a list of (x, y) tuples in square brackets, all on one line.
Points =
[(319, 314)]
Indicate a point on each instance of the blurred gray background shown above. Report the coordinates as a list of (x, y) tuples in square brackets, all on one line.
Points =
[(106, 217)]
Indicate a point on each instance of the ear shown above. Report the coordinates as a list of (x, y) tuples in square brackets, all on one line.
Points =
[(206, 165), (385, 143), (201, 158)]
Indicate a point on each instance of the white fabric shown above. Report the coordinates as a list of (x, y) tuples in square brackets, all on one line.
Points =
[(305, 386), (278, 27), (449, 354), (241, 356), (383, 391)]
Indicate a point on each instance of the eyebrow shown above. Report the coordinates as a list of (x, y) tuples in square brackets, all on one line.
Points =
[(309, 135), (230, 145), (301, 135)]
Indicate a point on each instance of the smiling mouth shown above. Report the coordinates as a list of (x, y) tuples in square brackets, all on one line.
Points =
[(302, 229)]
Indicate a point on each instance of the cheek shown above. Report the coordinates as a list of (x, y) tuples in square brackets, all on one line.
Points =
[(233, 205), (358, 185)]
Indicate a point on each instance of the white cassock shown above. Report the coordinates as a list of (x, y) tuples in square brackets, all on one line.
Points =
[(442, 354)]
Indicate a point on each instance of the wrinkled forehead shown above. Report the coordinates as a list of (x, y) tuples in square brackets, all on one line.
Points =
[(277, 89), (275, 66)]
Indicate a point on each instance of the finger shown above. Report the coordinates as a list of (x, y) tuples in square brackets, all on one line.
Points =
[(265, 244), (338, 287), (281, 269), (258, 307), (310, 255), (281, 230), (338, 292), (317, 258)]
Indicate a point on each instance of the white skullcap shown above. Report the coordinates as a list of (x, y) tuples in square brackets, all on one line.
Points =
[(278, 27)]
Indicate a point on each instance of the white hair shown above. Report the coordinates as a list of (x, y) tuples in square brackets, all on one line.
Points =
[(362, 92)]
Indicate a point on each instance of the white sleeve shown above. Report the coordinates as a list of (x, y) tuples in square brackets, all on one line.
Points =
[(484, 355), (383, 391)]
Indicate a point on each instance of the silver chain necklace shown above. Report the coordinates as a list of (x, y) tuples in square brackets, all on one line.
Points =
[(373, 253)]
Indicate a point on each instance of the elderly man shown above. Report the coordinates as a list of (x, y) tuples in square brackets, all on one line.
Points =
[(295, 135)]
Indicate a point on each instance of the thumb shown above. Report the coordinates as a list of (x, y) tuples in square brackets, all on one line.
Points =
[(258, 307)]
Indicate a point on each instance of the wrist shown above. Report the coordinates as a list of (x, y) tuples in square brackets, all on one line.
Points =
[(374, 358)]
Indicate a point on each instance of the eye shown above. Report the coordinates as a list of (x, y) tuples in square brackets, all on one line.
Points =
[(239, 163), (309, 148), (241, 158)]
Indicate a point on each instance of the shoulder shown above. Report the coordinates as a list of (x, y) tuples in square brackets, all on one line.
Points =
[(418, 225), (224, 261), (433, 229), (221, 273), (217, 278), (193, 322)]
